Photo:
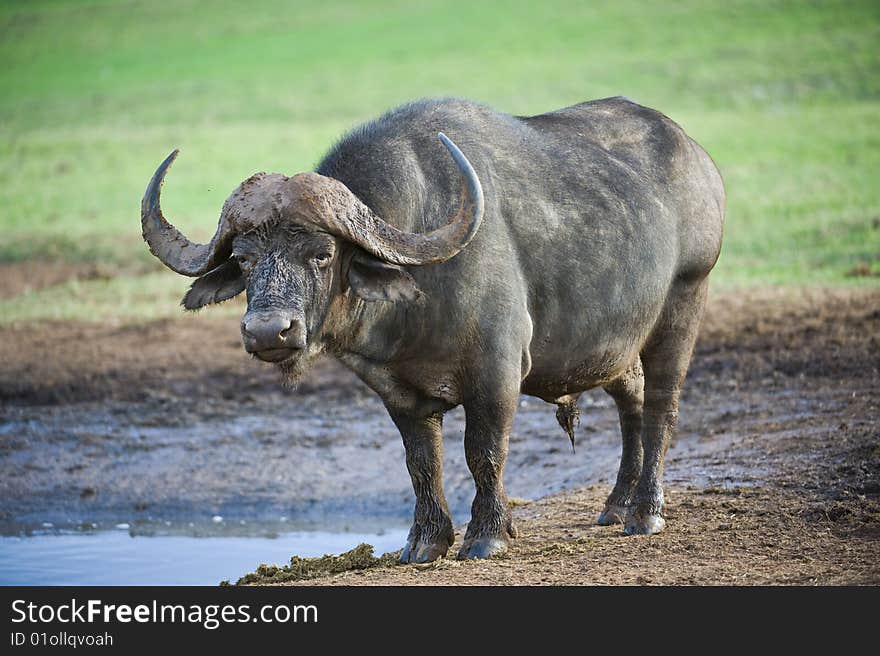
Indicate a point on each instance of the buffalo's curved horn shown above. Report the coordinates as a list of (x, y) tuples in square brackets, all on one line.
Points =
[(169, 244), (333, 207)]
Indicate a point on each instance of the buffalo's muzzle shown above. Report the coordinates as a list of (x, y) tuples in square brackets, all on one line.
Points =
[(273, 336)]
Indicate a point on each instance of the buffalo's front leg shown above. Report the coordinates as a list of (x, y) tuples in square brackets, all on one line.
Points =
[(431, 534), (485, 444)]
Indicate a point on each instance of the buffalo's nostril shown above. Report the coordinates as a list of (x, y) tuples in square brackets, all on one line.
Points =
[(294, 335)]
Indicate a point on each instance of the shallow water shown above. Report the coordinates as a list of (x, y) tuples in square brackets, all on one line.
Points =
[(205, 492), (322, 466), (199, 496), (119, 558)]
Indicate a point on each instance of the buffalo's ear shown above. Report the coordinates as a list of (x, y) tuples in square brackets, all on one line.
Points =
[(375, 280), (217, 285)]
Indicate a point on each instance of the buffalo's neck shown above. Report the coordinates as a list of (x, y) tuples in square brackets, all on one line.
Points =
[(371, 331), (376, 338), (390, 383)]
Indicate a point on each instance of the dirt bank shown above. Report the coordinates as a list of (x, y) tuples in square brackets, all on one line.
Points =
[(740, 536), (773, 478)]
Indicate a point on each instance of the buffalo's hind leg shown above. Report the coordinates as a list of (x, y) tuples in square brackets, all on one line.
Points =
[(628, 393), (431, 534), (665, 359)]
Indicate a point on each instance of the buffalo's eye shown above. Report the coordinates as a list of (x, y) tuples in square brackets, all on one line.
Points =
[(323, 259), (245, 262)]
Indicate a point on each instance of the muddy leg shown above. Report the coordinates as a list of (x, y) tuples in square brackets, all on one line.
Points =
[(485, 444), (628, 393), (431, 534), (665, 360)]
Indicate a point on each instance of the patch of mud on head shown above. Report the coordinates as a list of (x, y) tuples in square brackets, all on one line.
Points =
[(302, 569)]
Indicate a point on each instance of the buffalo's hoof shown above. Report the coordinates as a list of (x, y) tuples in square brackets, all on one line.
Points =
[(482, 548), (613, 514), (423, 552), (644, 524)]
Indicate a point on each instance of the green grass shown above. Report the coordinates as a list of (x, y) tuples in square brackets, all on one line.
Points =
[(784, 95), (147, 296)]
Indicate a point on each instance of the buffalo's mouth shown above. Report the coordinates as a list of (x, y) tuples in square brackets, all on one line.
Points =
[(275, 355)]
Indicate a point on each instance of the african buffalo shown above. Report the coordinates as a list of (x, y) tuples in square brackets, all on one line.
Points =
[(550, 255)]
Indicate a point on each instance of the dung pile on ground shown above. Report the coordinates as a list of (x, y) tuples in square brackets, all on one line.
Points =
[(301, 569)]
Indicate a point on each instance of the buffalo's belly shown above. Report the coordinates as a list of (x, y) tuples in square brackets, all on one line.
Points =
[(580, 351), (576, 372)]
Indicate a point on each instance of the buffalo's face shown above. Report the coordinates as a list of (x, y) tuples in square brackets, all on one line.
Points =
[(289, 273), (296, 244)]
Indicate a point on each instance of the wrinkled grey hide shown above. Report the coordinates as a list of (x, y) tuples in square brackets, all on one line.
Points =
[(601, 224)]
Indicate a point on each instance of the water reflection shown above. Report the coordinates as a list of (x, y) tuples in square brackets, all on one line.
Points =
[(117, 558)]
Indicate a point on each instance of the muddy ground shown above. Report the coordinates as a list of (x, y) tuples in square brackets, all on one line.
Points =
[(774, 477)]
